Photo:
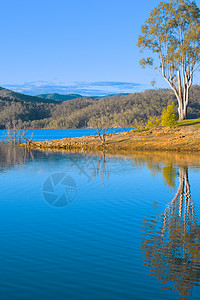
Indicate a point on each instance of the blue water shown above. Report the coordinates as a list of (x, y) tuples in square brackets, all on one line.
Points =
[(53, 134), (78, 226)]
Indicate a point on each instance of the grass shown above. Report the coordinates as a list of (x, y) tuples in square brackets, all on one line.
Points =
[(190, 122)]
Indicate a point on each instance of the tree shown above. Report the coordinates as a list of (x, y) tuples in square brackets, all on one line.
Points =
[(101, 126), (172, 34), (16, 133), (101, 122)]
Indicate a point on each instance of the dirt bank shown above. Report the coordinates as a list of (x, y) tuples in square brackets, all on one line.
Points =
[(159, 139)]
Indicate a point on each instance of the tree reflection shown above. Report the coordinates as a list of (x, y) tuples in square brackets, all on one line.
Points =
[(169, 175), (102, 168), (171, 243), (10, 155)]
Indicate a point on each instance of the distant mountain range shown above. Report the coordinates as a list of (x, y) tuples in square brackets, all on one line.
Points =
[(77, 111), (8, 95), (59, 97)]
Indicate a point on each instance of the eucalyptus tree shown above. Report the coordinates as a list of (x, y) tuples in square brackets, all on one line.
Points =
[(172, 35)]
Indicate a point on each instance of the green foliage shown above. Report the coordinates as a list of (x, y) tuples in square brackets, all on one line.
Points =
[(153, 122), (168, 117), (144, 62), (172, 32)]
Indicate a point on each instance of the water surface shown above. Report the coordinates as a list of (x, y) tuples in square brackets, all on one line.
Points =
[(79, 226), (54, 134)]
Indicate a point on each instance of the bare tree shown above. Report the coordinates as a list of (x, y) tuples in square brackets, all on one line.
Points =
[(16, 133), (101, 125)]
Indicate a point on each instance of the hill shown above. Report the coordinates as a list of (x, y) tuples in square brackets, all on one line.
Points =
[(115, 111), (59, 97), (8, 95)]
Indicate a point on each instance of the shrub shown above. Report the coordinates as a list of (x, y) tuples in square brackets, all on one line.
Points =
[(168, 117), (138, 125), (153, 122)]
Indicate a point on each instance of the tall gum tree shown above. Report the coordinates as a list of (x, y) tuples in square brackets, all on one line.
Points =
[(172, 34)]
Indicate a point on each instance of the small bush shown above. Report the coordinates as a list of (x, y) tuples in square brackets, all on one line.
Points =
[(168, 117), (153, 122), (139, 126)]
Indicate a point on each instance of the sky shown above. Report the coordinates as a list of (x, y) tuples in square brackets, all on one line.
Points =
[(74, 46)]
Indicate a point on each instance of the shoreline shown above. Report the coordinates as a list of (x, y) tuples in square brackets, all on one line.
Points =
[(179, 139)]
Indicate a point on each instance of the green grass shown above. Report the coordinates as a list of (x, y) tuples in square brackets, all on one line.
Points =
[(190, 122)]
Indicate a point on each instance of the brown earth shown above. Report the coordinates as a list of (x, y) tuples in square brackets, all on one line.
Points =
[(160, 139)]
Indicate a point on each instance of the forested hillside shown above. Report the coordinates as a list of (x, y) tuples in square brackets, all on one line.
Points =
[(116, 111), (8, 95), (59, 97)]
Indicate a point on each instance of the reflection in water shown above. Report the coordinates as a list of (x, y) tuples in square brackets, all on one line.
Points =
[(11, 155), (172, 244), (102, 168), (90, 165), (169, 175)]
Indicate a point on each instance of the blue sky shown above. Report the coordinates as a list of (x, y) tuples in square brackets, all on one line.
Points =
[(74, 46)]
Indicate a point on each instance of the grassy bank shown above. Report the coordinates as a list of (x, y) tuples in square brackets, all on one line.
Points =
[(191, 122)]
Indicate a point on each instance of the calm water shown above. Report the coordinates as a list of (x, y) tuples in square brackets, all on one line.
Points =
[(77, 226), (53, 134)]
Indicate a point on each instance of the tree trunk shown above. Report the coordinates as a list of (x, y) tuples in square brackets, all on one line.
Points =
[(183, 99), (185, 113), (182, 109)]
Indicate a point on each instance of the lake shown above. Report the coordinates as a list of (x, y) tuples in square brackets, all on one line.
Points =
[(79, 226), (53, 134)]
